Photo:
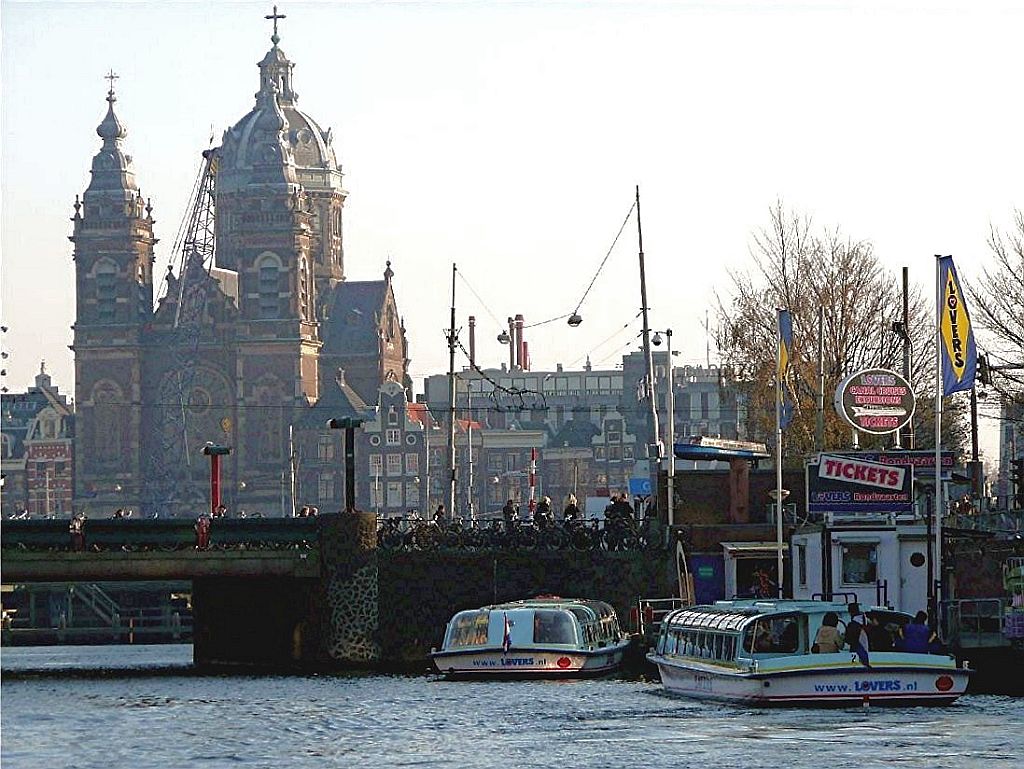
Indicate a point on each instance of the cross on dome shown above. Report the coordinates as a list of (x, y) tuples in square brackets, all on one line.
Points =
[(111, 76), (274, 17)]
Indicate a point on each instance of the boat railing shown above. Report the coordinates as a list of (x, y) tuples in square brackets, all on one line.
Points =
[(646, 617), (975, 622), (846, 598)]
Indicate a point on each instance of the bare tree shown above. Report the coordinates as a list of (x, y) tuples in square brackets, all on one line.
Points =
[(799, 269), (997, 307)]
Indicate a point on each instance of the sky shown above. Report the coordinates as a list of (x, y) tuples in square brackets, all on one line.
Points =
[(508, 138)]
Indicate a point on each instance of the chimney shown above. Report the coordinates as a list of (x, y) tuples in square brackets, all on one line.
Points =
[(472, 341), (520, 348), (511, 345)]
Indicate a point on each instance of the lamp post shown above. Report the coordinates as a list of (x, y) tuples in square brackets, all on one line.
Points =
[(349, 425), (671, 429), (215, 452)]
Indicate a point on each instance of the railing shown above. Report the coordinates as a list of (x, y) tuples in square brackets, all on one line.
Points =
[(407, 534), (161, 534), (649, 613), (975, 622), (101, 604)]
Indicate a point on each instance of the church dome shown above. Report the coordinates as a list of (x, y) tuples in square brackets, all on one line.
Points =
[(277, 128), (112, 176)]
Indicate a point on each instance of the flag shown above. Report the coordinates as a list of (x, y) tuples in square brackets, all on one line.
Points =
[(957, 349), (506, 639), (782, 371), (862, 648)]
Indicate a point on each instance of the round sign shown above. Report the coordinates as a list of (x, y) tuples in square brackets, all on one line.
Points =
[(876, 401)]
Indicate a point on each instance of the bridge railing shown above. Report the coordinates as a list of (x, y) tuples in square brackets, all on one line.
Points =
[(149, 534)]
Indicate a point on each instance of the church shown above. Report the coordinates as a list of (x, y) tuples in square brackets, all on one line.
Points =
[(253, 347)]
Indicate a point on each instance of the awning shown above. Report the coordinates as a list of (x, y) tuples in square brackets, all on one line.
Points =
[(752, 549)]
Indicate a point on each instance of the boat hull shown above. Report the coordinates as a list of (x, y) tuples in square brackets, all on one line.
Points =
[(529, 663), (901, 685)]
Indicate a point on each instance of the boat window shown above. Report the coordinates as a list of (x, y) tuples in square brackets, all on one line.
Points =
[(553, 627), (469, 628), (773, 635)]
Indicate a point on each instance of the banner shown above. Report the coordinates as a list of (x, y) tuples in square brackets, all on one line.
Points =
[(957, 348), (838, 483), (782, 371)]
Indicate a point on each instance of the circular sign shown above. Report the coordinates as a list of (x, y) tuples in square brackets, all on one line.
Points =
[(876, 401), (564, 662), (917, 559), (943, 683)]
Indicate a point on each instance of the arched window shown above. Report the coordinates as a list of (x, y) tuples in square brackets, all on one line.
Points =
[(6, 449), (110, 416), (105, 277), (268, 268)]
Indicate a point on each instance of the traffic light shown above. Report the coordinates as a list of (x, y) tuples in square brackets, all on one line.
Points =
[(1017, 479), (984, 372)]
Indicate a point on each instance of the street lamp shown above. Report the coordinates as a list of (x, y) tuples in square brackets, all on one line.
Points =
[(349, 425), (656, 341)]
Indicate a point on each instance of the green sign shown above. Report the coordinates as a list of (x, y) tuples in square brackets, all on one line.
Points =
[(705, 572)]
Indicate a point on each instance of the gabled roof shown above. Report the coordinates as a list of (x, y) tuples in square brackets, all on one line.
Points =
[(352, 323), (337, 401)]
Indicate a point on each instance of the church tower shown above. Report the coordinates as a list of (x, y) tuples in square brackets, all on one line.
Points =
[(113, 254)]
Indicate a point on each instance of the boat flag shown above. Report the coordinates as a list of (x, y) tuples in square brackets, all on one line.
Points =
[(506, 638), (782, 371), (862, 648), (957, 347)]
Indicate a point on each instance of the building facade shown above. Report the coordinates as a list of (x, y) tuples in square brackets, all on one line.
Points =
[(244, 342), (37, 450)]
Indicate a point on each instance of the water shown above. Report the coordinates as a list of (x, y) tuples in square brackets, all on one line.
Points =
[(143, 706)]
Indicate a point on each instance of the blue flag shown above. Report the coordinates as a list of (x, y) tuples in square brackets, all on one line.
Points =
[(956, 337), (782, 370)]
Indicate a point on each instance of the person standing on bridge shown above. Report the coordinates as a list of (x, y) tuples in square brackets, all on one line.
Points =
[(77, 530)]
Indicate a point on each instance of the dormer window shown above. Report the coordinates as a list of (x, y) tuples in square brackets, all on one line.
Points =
[(392, 416)]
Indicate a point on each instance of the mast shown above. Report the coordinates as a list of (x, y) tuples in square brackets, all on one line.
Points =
[(451, 404), (652, 416)]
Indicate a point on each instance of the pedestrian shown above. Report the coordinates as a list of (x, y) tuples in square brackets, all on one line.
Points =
[(509, 514), (221, 511), (572, 510), (856, 636), (917, 636), (828, 640), (202, 528), (77, 529)]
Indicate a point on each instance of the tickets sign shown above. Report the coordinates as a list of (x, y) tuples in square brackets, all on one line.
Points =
[(844, 484), (876, 401)]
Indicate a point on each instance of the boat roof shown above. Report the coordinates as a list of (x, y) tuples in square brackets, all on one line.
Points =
[(733, 615), (554, 602)]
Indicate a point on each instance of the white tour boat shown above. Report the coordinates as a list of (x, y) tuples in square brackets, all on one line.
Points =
[(759, 652), (543, 637)]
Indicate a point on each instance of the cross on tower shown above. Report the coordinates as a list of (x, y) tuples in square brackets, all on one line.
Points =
[(111, 76), (275, 16)]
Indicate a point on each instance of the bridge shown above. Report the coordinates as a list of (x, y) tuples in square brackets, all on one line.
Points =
[(318, 593)]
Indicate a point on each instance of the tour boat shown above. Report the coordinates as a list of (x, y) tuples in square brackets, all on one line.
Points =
[(759, 652), (543, 637)]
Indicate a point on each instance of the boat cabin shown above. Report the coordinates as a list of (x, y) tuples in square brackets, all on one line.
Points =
[(535, 623), (734, 633)]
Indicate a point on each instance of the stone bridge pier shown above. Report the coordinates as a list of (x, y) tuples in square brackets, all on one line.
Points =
[(324, 621)]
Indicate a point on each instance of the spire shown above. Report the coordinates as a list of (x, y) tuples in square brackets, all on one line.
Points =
[(112, 177), (275, 69)]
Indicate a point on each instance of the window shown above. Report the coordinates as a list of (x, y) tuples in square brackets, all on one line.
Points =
[(325, 487), (494, 462), (376, 494), (304, 291), (553, 627), (627, 452), (392, 416), (268, 286), (394, 494), (325, 448), (394, 464), (393, 437), (801, 565), (614, 453), (705, 405), (860, 563), (412, 494), (412, 464), (511, 462), (106, 290), (376, 465)]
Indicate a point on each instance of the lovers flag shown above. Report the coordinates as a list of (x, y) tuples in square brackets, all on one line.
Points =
[(782, 371), (957, 348)]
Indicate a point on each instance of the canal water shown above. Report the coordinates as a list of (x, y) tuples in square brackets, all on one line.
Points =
[(143, 706)]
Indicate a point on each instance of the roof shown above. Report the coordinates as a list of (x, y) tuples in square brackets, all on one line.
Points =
[(337, 401), (351, 325)]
